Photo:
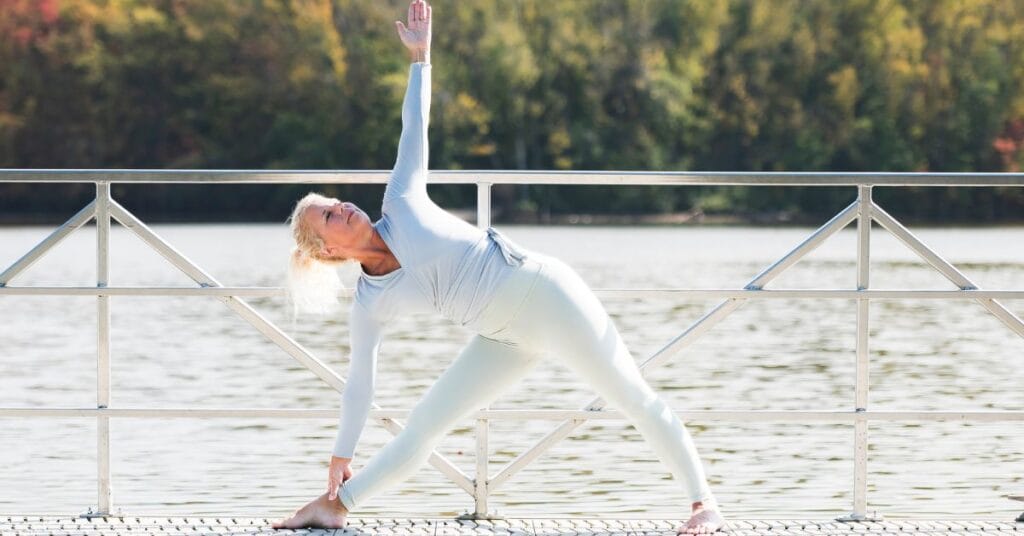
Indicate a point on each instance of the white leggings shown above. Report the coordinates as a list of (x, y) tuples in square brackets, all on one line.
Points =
[(544, 308)]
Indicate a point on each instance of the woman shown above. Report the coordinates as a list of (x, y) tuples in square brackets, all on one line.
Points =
[(419, 258)]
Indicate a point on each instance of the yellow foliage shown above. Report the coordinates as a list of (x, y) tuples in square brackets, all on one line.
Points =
[(317, 16), (301, 73), (143, 15), (466, 110), (559, 140), (845, 89)]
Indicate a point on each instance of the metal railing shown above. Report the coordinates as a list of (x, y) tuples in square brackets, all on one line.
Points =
[(863, 210)]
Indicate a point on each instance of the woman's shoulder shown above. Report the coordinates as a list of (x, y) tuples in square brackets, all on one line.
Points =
[(405, 201), (372, 295), (366, 295)]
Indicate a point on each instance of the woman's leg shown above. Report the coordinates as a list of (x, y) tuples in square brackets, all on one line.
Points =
[(483, 370), (578, 330)]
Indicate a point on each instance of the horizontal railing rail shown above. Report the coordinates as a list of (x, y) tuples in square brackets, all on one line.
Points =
[(611, 293), (681, 178), (863, 210), (752, 415)]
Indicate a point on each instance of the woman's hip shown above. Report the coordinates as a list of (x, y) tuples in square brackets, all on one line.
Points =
[(508, 298), (551, 302)]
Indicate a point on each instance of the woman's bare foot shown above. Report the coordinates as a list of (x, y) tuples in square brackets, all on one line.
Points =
[(319, 513), (705, 519)]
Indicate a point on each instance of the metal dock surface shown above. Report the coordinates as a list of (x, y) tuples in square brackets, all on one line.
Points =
[(70, 525)]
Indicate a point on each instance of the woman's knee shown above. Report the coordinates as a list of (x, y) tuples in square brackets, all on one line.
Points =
[(411, 447), (643, 402), (421, 427), (634, 401), (608, 367)]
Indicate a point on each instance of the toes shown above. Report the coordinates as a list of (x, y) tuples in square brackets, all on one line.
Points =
[(290, 523), (699, 527)]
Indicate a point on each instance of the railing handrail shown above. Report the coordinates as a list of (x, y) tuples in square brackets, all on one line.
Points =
[(864, 211), (679, 178)]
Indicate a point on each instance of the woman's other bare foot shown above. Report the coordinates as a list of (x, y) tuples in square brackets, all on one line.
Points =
[(320, 513), (705, 519)]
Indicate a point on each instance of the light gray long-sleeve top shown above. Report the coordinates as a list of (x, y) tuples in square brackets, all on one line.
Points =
[(447, 265)]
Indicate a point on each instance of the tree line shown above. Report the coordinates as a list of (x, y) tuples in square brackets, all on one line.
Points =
[(736, 85)]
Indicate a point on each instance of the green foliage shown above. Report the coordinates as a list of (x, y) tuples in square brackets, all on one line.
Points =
[(776, 85)]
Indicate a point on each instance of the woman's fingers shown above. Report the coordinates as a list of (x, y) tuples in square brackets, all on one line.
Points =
[(422, 10), (419, 11), (332, 489)]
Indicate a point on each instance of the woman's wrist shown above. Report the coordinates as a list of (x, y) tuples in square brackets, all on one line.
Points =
[(420, 55)]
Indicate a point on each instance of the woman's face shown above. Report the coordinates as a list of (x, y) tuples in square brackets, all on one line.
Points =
[(343, 228)]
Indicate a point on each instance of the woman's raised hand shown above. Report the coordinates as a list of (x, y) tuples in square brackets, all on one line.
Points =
[(416, 37), (339, 472)]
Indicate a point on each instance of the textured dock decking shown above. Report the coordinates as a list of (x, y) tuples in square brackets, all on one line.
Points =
[(69, 525)]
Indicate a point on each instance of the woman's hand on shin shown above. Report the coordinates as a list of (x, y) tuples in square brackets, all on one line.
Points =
[(416, 36), (339, 472)]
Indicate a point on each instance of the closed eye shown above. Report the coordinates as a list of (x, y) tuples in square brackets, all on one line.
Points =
[(327, 216)]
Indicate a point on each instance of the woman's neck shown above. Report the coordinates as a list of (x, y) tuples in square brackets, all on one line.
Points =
[(379, 260)]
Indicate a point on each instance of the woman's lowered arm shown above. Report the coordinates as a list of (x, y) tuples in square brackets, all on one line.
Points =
[(357, 397), (358, 394)]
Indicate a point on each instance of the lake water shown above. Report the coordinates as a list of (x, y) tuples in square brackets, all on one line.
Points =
[(770, 354)]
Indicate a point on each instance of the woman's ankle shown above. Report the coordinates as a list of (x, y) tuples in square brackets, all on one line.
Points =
[(704, 504)]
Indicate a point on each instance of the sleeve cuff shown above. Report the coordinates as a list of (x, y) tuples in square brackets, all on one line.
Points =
[(342, 453)]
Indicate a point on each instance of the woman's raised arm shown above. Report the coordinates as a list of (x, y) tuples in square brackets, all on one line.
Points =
[(410, 173)]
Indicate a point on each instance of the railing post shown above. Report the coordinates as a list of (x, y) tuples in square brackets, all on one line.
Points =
[(861, 426), (104, 501), (483, 205), (480, 491), (860, 455)]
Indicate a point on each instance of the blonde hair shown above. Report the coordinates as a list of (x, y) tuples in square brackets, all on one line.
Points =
[(313, 283)]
